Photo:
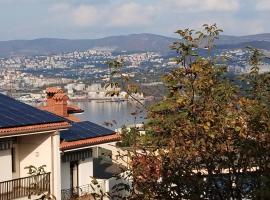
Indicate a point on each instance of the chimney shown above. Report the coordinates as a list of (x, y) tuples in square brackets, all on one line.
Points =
[(57, 101)]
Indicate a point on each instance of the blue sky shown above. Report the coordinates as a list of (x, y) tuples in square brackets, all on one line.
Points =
[(29, 19)]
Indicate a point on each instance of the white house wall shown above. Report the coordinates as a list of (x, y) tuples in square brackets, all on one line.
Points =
[(124, 178), (85, 171), (5, 165), (38, 150), (65, 175), (35, 150)]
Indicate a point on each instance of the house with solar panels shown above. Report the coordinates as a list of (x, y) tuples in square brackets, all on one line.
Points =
[(85, 148), (72, 150), (28, 136)]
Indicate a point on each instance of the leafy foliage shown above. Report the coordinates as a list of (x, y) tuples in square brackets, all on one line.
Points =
[(208, 139), (129, 137), (98, 193)]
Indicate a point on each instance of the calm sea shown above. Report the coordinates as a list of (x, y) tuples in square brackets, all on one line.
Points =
[(117, 113)]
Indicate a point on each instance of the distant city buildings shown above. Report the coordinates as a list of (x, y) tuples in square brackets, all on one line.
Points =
[(80, 72), (13, 80), (83, 73), (238, 61)]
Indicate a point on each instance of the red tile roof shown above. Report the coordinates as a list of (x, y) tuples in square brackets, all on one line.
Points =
[(91, 141), (60, 96), (33, 128), (65, 145), (54, 90)]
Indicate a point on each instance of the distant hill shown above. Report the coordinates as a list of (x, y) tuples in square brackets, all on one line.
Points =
[(46, 46), (255, 44), (233, 40), (133, 42)]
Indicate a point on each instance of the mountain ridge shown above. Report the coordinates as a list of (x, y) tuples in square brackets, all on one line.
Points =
[(131, 42)]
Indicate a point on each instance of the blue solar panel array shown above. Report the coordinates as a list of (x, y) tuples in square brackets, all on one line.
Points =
[(14, 113), (84, 130)]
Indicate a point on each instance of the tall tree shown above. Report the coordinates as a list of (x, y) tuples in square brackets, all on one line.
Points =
[(207, 139)]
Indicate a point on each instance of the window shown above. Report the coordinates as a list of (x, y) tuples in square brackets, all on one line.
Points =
[(13, 159)]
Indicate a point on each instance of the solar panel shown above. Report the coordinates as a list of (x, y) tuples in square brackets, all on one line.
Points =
[(14, 113), (84, 130)]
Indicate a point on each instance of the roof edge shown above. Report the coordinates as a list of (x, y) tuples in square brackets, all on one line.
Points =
[(16, 131), (114, 137)]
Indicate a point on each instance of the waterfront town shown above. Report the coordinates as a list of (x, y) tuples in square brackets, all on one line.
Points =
[(88, 157), (83, 74), (135, 100)]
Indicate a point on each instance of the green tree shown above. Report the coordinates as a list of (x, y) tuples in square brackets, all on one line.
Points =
[(207, 139)]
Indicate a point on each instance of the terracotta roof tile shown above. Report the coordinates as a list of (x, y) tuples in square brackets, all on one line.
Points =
[(54, 90), (60, 96), (92, 141), (33, 128)]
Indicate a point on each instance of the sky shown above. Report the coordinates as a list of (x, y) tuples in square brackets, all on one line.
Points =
[(85, 19)]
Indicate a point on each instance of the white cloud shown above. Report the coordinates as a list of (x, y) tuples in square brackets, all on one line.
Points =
[(81, 15), (232, 25), (84, 15), (248, 27), (263, 5), (131, 14), (204, 5), (160, 16), (60, 7)]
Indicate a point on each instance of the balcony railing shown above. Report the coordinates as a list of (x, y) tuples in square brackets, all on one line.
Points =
[(76, 192), (83, 192), (23, 187)]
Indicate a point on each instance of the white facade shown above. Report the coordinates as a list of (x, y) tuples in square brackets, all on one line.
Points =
[(94, 87), (44, 149), (80, 87), (36, 150), (85, 171), (6, 165), (80, 174), (65, 175)]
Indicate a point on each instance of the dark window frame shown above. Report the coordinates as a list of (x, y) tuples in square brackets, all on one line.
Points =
[(13, 159)]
